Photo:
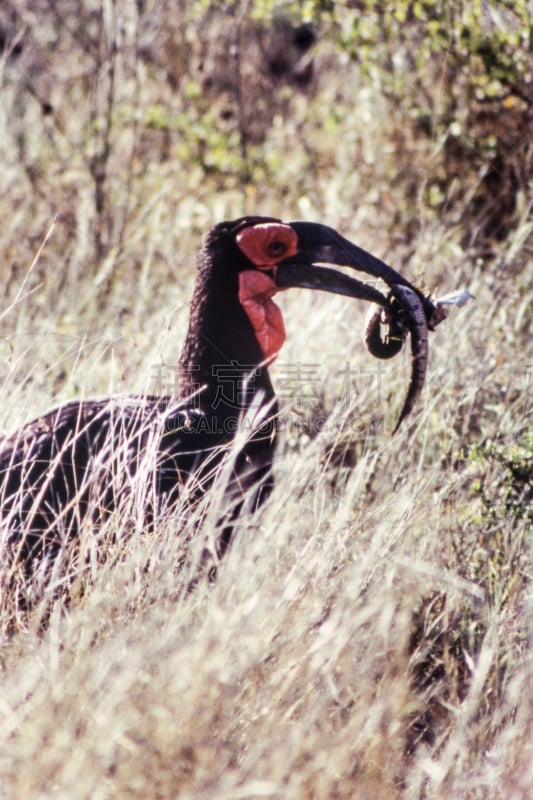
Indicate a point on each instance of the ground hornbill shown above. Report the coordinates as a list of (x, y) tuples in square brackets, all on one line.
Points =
[(76, 464)]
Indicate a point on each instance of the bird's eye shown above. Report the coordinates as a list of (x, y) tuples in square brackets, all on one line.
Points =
[(267, 243), (276, 248)]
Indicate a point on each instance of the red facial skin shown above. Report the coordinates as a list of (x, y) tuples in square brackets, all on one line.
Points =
[(255, 293), (265, 246)]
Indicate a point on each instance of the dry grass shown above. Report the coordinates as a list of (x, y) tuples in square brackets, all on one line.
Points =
[(369, 633)]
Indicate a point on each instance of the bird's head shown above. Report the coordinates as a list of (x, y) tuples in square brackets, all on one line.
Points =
[(267, 256)]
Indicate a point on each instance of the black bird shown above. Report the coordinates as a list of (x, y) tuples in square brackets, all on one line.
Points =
[(85, 459)]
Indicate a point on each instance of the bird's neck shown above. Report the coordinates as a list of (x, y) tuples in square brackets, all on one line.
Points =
[(222, 362)]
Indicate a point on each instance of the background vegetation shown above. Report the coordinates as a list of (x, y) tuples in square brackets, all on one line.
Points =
[(369, 634)]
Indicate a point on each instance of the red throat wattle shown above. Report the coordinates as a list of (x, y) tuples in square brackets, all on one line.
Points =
[(256, 290)]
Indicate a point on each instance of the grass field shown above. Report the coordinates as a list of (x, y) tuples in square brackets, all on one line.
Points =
[(369, 633)]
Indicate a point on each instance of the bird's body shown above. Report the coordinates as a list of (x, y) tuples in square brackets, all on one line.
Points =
[(87, 459)]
